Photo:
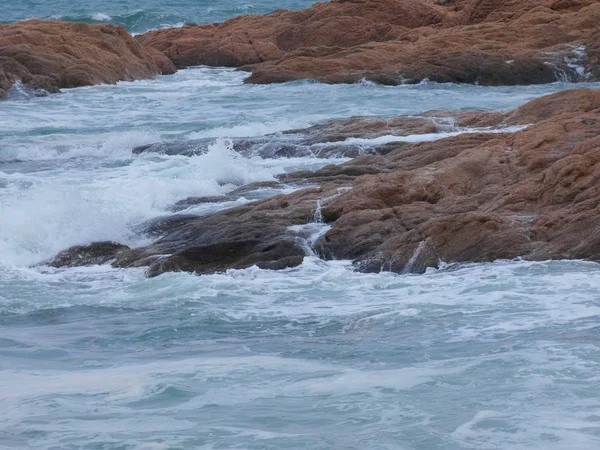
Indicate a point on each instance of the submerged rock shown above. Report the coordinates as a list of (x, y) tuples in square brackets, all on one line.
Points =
[(252, 191), (339, 138), (489, 42), (47, 55), (88, 255), (271, 146)]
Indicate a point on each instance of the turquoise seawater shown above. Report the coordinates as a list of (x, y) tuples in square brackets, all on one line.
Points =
[(498, 356), (140, 16)]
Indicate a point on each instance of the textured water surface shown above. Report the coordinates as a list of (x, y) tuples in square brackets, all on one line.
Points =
[(140, 16), (496, 356)]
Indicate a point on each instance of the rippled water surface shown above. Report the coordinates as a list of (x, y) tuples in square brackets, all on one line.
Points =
[(140, 16), (489, 356)]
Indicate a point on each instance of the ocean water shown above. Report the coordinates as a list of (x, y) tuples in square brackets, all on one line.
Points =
[(140, 16), (492, 356)]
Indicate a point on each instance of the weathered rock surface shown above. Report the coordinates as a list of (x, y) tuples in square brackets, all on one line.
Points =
[(474, 197), (88, 255), (534, 193), (253, 39), (52, 55), (490, 42)]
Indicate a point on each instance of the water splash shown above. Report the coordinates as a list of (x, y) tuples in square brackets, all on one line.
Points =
[(408, 268), (318, 216)]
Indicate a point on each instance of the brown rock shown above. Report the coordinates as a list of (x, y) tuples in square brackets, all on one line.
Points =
[(540, 46), (533, 194), (489, 42), (253, 39), (52, 55)]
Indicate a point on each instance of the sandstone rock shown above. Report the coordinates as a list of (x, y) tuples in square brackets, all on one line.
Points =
[(540, 46), (252, 39), (533, 194), (52, 55), (489, 42)]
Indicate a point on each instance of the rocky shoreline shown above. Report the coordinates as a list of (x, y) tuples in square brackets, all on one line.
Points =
[(500, 185), (486, 42), (487, 193)]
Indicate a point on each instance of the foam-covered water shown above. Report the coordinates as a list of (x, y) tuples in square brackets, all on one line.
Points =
[(488, 356), (495, 356)]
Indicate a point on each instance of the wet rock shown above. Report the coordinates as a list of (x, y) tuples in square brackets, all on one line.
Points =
[(162, 225), (252, 191), (51, 55), (270, 146), (237, 238), (193, 201), (88, 255)]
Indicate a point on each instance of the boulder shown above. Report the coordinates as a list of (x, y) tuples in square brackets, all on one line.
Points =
[(51, 55)]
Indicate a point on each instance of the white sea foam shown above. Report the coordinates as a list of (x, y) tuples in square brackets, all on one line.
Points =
[(107, 145), (425, 137), (41, 215), (101, 17), (253, 129)]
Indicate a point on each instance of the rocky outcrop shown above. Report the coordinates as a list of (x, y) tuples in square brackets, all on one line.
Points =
[(253, 39), (235, 238), (472, 197), (489, 42), (51, 55), (540, 46), (532, 194)]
